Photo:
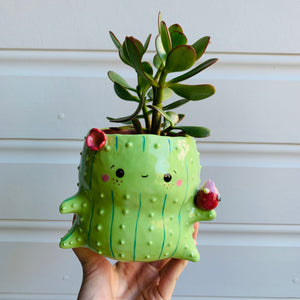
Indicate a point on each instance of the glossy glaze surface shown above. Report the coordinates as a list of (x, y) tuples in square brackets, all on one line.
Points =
[(136, 198)]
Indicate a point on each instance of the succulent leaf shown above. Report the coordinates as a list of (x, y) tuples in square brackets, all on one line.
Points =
[(163, 113), (194, 71), (193, 92), (181, 117), (115, 41), (147, 43), (135, 58), (116, 78), (180, 58), (132, 51), (139, 46), (137, 126), (201, 45), (147, 68), (167, 94), (178, 39), (160, 49), (124, 55), (165, 37), (175, 27), (143, 84), (195, 131), (159, 21), (120, 48), (123, 93), (176, 104), (173, 116), (157, 61)]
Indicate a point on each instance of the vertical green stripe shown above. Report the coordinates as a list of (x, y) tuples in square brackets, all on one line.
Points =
[(111, 223), (116, 143), (164, 229), (169, 145), (179, 215), (136, 226), (144, 142)]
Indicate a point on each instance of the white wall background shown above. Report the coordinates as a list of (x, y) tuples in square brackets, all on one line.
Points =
[(54, 56)]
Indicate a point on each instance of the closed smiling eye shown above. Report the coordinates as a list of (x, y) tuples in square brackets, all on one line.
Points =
[(145, 176)]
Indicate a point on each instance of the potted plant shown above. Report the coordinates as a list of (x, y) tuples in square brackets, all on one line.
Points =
[(138, 194)]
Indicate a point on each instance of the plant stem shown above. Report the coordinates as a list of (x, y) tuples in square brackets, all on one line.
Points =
[(147, 118), (157, 101)]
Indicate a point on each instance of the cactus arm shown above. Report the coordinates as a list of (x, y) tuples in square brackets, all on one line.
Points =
[(73, 238), (202, 215), (75, 204)]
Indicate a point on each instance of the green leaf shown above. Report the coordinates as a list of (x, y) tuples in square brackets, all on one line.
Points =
[(165, 37), (173, 116), (131, 52), (181, 117), (147, 43), (167, 93), (150, 94), (137, 117), (194, 71), (121, 128), (115, 41), (157, 61), (124, 55), (201, 45), (180, 58), (116, 78), (147, 68), (163, 113), (123, 93), (135, 59), (178, 39), (175, 27), (160, 49), (120, 48), (132, 116), (159, 21), (176, 104), (193, 92), (137, 126), (143, 84), (139, 45), (195, 131)]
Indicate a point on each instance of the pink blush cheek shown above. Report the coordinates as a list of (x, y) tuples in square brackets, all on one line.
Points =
[(179, 182), (105, 177)]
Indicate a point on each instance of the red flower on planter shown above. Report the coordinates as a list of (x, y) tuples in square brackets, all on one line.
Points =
[(96, 139)]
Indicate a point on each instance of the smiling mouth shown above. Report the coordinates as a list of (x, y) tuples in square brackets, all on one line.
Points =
[(145, 176)]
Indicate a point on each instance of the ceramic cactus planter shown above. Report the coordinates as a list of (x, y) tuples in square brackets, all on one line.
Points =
[(136, 198)]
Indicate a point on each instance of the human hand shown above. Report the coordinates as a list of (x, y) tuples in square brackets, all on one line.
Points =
[(128, 280)]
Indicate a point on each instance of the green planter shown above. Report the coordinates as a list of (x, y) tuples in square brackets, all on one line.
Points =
[(136, 197)]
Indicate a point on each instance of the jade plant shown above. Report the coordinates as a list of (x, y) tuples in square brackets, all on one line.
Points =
[(154, 86)]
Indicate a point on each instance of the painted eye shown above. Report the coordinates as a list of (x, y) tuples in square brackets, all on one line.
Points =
[(167, 177), (120, 173)]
